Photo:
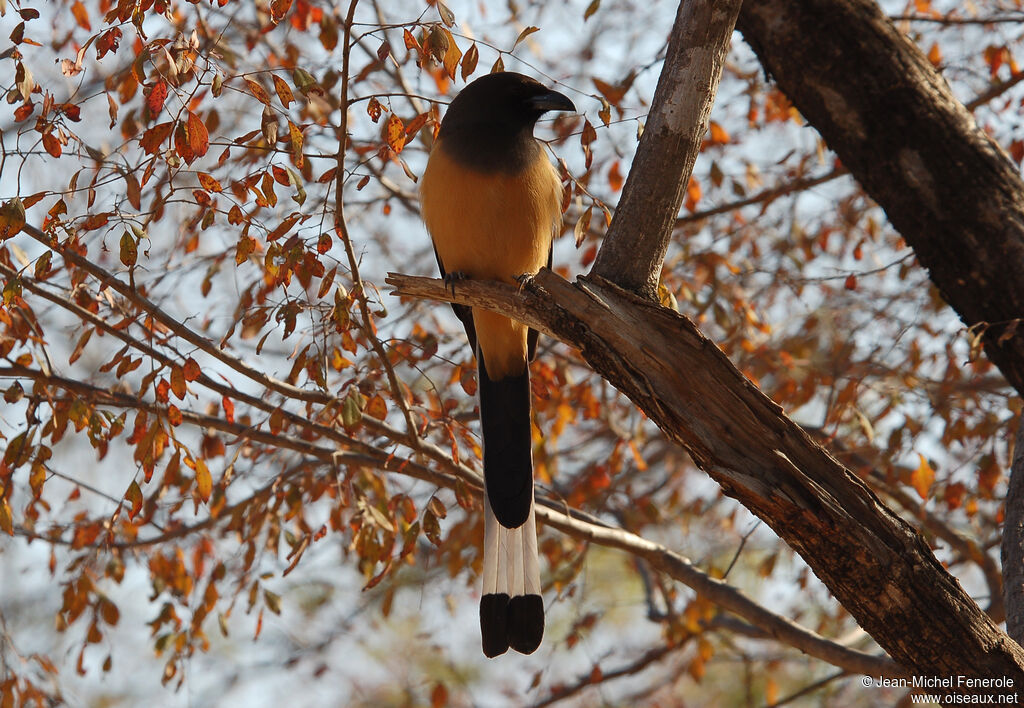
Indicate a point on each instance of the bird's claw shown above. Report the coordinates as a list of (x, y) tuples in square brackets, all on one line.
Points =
[(524, 280), (451, 278)]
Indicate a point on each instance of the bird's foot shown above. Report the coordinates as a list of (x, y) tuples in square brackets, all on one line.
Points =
[(451, 278), (524, 280)]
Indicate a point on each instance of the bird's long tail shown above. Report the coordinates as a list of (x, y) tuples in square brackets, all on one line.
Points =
[(511, 607)]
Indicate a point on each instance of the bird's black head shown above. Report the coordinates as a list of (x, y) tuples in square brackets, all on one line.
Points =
[(489, 125)]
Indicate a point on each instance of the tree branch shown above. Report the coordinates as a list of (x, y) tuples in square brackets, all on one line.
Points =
[(634, 248)]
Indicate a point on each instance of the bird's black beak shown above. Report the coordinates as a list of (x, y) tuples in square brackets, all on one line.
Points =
[(552, 101)]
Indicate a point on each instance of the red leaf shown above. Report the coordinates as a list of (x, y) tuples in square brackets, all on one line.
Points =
[(108, 42), (156, 98), (229, 409)]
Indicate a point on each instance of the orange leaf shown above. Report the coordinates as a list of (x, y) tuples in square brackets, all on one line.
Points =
[(376, 407), (198, 137), (284, 93), (615, 177), (258, 91), (191, 369), (394, 133), (6, 520), (229, 409), (693, 194), (174, 416), (81, 15), (718, 134), (923, 477), (209, 183)]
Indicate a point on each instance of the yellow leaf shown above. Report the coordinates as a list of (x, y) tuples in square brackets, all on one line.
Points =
[(204, 482)]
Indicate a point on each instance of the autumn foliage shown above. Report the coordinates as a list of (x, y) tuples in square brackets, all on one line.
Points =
[(211, 399)]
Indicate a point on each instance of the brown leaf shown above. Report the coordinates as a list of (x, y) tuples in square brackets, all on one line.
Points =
[(134, 497), (153, 138), (524, 34), (447, 16), (12, 218), (469, 61), (51, 145), (129, 249), (178, 385)]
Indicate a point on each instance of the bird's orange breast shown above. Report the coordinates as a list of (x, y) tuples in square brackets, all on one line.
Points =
[(493, 226)]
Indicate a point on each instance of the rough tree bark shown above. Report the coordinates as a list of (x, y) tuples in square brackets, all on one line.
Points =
[(949, 190), (634, 247)]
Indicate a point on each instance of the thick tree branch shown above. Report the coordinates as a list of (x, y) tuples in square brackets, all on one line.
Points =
[(634, 248), (875, 564), (945, 185)]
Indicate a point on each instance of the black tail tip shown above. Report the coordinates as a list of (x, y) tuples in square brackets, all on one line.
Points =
[(525, 623), (516, 622), (511, 511), (494, 616)]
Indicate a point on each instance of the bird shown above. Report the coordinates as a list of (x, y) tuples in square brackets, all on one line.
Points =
[(491, 201)]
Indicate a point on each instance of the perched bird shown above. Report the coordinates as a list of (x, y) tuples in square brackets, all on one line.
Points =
[(491, 200)]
